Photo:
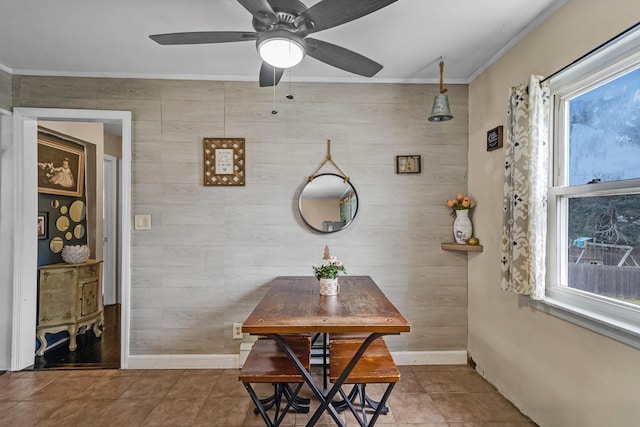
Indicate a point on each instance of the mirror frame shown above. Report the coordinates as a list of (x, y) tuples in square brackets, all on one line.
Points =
[(63, 223), (55, 243), (73, 211), (353, 217)]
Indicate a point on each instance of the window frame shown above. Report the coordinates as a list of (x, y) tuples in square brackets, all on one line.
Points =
[(613, 318)]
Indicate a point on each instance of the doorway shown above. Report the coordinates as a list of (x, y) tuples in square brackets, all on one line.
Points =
[(96, 346), (25, 260)]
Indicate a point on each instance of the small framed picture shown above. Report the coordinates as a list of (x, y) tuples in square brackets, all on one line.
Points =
[(408, 164), (494, 138), (43, 225), (223, 161)]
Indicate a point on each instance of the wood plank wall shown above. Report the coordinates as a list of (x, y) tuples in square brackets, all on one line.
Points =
[(204, 264), (5, 90)]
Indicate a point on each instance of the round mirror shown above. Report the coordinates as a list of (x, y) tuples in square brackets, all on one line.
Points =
[(56, 245), (62, 223), (63, 209), (328, 203), (55, 204), (78, 231), (77, 211)]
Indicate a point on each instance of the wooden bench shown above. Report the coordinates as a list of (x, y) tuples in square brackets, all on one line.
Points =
[(375, 366), (268, 363)]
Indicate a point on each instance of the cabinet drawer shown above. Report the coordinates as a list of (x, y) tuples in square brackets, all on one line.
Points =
[(56, 297), (89, 298), (89, 272)]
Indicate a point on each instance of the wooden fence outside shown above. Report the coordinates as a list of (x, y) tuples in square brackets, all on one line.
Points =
[(606, 280)]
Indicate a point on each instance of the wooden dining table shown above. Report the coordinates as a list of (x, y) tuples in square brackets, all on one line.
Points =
[(293, 305)]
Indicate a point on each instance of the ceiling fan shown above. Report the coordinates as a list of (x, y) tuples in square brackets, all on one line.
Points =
[(281, 29)]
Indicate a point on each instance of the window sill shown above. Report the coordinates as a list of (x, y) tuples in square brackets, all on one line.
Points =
[(610, 327)]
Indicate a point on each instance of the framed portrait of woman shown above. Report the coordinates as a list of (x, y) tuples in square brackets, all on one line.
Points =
[(60, 168), (43, 225)]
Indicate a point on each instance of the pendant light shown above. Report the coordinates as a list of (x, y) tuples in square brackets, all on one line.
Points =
[(440, 111)]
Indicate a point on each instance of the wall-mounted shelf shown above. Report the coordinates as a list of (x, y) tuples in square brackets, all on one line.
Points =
[(461, 247)]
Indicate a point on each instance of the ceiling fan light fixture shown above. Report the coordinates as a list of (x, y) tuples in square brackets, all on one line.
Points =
[(281, 49)]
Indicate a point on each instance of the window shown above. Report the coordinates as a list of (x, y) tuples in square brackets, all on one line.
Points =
[(594, 198)]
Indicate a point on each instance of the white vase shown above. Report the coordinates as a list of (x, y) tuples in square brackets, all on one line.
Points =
[(462, 226), (329, 287)]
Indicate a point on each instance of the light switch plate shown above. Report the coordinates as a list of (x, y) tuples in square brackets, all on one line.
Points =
[(142, 222)]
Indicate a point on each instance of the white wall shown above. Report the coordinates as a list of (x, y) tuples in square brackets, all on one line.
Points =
[(556, 372)]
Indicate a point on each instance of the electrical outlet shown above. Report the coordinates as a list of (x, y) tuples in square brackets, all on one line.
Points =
[(237, 331)]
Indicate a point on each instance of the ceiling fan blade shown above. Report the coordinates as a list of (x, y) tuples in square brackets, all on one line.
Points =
[(267, 76), (203, 37), (261, 10), (342, 58), (330, 13)]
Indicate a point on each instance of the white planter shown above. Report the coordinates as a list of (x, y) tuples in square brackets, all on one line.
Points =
[(462, 226), (329, 287), (76, 254)]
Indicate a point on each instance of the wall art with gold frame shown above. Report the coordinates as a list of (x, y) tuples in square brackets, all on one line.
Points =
[(60, 168)]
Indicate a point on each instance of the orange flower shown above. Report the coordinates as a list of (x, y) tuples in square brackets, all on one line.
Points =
[(461, 201)]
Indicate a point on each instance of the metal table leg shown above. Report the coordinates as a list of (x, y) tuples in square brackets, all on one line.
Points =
[(326, 398)]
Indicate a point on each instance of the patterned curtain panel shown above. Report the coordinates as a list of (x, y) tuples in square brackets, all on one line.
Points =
[(525, 189)]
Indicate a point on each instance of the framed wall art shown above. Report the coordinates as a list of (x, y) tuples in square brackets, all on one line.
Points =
[(408, 164), (60, 168), (43, 225), (223, 162), (494, 138)]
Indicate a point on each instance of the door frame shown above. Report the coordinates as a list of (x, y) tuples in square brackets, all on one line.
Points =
[(25, 263), (110, 288)]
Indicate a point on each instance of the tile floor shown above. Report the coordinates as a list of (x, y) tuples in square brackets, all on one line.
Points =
[(427, 396)]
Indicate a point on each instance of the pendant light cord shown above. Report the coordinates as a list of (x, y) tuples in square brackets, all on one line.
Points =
[(442, 88)]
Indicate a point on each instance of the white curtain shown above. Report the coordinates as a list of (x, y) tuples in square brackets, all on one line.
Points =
[(525, 189)]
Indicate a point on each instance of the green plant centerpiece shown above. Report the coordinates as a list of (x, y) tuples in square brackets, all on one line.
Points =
[(327, 273), (330, 268)]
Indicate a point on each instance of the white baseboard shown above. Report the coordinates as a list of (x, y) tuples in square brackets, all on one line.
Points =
[(183, 361), (245, 348), (452, 357), (233, 361)]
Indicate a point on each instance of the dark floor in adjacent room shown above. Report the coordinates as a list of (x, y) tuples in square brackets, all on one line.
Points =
[(92, 352), (427, 396)]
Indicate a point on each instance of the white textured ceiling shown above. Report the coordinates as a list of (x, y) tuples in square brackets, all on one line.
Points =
[(110, 38)]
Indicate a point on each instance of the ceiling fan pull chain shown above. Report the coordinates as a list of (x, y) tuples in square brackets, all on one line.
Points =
[(274, 111), (289, 95)]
